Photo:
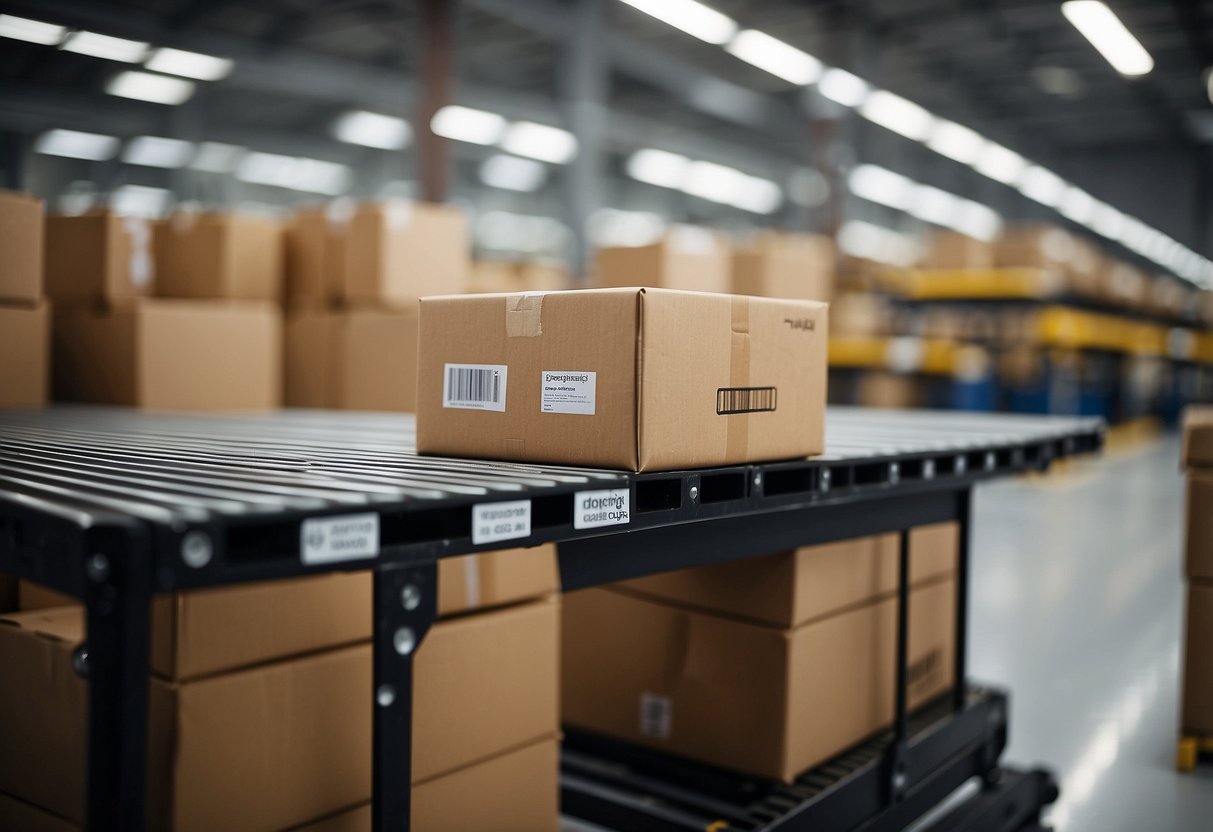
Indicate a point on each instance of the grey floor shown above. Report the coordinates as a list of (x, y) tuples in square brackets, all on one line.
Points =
[(1076, 607)]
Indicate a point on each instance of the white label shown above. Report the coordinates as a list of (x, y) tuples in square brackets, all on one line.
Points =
[(568, 391), (655, 714), (474, 386), (500, 521), (592, 509), (332, 539)]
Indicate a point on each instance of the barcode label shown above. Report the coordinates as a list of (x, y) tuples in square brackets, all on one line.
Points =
[(474, 386), (655, 713), (744, 400)]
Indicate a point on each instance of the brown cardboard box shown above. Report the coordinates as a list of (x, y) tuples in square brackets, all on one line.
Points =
[(1197, 710), (506, 276), (19, 816), (890, 390), (21, 242), (174, 354), (99, 257), (953, 250), (358, 359), (1035, 245), (315, 252), (397, 252), (757, 699), (25, 354), (219, 257), (649, 379), (1199, 562), (1198, 437), (279, 744), (778, 265), (1124, 284), (858, 313), (207, 631), (793, 588), (688, 258)]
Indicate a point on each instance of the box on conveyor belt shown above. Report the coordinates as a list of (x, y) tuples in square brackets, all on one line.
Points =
[(953, 250), (518, 276), (354, 359), (1199, 537), (777, 265), (206, 631), (98, 257), (282, 744), (25, 354), (792, 588), (398, 251), (170, 354), (1196, 713), (1124, 284), (219, 257), (690, 258), (760, 700), (315, 251), (639, 379), (21, 219), (1198, 437)]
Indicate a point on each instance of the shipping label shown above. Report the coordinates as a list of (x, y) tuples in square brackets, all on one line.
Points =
[(609, 507), (568, 391), (492, 522)]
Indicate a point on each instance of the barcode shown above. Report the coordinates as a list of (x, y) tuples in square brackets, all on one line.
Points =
[(655, 712), (744, 399), (475, 386)]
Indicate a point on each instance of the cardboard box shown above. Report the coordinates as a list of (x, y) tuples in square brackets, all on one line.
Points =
[(639, 379), (279, 744), (20, 816), (953, 250), (219, 257), (760, 700), (507, 276), (172, 354), (358, 359), (1196, 713), (778, 265), (21, 219), (793, 588), (1198, 437), (876, 388), (1199, 561), (99, 257), (315, 251), (861, 314), (1124, 284), (397, 252), (206, 631), (688, 258), (25, 355)]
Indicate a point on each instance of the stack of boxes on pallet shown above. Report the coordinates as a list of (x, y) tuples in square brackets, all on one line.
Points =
[(24, 312), (1196, 714), (260, 711)]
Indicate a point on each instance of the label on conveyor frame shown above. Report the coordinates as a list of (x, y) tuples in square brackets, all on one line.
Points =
[(334, 539), (592, 509), (492, 522)]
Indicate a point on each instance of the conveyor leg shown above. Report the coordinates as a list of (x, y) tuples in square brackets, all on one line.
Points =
[(898, 769), (960, 670), (405, 606)]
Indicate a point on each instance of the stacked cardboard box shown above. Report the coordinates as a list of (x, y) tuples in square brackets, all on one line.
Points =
[(953, 250), (354, 276), (1197, 710), (24, 312), (1071, 263), (260, 711), (766, 666), (779, 265), (518, 276), (210, 339), (687, 258)]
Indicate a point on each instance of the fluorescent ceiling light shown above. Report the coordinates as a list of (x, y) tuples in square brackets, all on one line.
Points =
[(616, 227), (158, 152), (1134, 234), (299, 174), (808, 188), (956, 141), (76, 145), (977, 220), (691, 17), (1042, 185), (1000, 164), (373, 130), (882, 186), (658, 167), (842, 87), (713, 182), (776, 57), (873, 242), (216, 157), (105, 46), (512, 173), (539, 141), (144, 86), (897, 114), (31, 31), (1108, 35), (934, 205), (508, 231), (465, 124), (140, 201), (761, 196), (1077, 205), (190, 64), (1107, 221)]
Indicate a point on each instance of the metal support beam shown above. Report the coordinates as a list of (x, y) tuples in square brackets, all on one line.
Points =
[(586, 78), (437, 70), (15, 148)]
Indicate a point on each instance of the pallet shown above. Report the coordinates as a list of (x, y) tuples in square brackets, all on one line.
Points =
[(1189, 750)]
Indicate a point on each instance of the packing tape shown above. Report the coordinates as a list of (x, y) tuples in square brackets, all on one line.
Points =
[(737, 438), (523, 315), (471, 579)]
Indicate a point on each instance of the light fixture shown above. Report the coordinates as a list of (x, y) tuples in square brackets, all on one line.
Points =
[(505, 230), (105, 46), (882, 186), (373, 130), (977, 220), (300, 174), (691, 17), (190, 64), (1077, 205), (539, 141), (512, 173), (217, 157), (956, 141), (1100, 25), (1106, 221), (466, 124), (774, 56), (31, 31), (897, 114), (158, 152), (757, 195), (144, 86), (808, 188), (713, 182), (77, 145), (931, 204), (140, 201), (873, 242), (658, 167), (1042, 185), (842, 87), (1000, 164), (617, 227)]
